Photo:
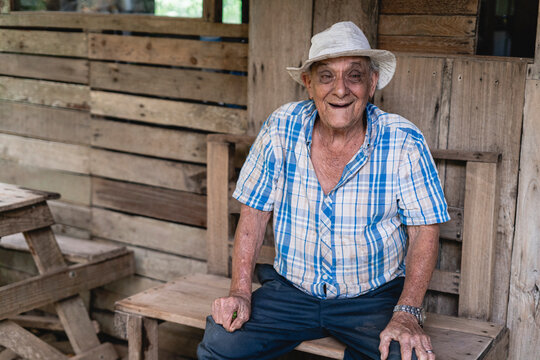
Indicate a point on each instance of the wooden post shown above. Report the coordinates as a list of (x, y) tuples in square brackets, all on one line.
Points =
[(213, 10), (363, 13), (533, 71), (142, 334), (217, 207), (479, 234), (279, 36), (523, 314), (5, 6)]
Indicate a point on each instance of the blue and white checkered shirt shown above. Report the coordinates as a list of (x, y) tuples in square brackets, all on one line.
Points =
[(352, 240)]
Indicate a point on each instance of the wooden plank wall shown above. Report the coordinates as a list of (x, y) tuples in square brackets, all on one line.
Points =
[(447, 27), (116, 121), (524, 303)]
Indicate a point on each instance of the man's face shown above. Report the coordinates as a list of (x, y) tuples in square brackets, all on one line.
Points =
[(341, 88)]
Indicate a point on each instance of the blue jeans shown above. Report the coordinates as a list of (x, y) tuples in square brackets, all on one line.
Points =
[(283, 316)]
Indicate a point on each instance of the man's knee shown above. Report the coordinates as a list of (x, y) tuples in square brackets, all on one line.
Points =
[(217, 342)]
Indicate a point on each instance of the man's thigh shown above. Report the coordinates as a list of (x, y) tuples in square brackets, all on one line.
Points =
[(358, 322), (281, 318)]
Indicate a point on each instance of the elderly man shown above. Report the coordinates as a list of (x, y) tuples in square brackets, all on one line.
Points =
[(349, 186)]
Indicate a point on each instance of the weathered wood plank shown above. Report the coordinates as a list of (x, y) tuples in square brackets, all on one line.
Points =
[(24, 343), (25, 218), (53, 286), (161, 266), (287, 31), (70, 214), (41, 92), (479, 236), (427, 25), (149, 233), (445, 281), (148, 171), (533, 71), (163, 51), (172, 83), (125, 22), (422, 79), (165, 204), (212, 10), (45, 154), (365, 14), (427, 44), (43, 42), (45, 67), (105, 351), (44, 122), (487, 106), (523, 315), (73, 187), (168, 112), (429, 7), (219, 172), (147, 140)]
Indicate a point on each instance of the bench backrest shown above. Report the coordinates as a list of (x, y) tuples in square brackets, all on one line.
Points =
[(474, 225)]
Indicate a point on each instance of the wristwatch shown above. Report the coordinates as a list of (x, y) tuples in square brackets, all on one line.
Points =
[(418, 312)]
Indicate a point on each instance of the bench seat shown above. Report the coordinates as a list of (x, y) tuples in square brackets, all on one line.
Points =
[(188, 300)]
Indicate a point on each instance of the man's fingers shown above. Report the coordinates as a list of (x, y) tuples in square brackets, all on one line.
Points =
[(384, 346)]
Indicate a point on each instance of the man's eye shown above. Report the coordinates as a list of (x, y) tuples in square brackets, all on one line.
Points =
[(355, 77), (326, 77)]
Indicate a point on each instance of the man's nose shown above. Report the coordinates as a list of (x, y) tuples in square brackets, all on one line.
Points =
[(340, 86)]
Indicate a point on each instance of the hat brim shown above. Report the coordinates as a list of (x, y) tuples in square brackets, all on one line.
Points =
[(385, 60)]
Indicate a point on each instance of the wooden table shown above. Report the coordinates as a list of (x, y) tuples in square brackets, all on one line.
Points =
[(26, 211)]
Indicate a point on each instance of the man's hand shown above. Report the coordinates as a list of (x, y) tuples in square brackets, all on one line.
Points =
[(404, 328), (224, 309)]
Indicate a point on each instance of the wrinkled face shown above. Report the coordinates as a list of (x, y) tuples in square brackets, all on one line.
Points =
[(341, 88)]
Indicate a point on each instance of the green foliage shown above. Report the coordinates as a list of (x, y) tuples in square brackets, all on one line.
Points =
[(232, 11), (180, 8), (32, 5)]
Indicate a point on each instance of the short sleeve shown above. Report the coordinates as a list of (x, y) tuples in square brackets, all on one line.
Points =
[(256, 184), (420, 196)]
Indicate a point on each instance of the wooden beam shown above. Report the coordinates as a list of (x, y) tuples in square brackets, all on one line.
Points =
[(45, 122), (464, 155), (149, 171), (41, 92), (365, 14), (533, 71), (426, 44), (36, 291), (219, 165), (279, 36), (169, 51), (105, 351), (177, 83), (479, 239), (159, 203), (168, 112), (154, 234), (213, 10), (523, 315), (427, 25), (125, 22), (459, 7), (24, 219), (25, 344), (142, 335), (45, 67), (174, 144), (44, 42)]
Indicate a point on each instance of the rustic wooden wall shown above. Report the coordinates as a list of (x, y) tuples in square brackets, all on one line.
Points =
[(431, 26), (524, 303), (116, 121)]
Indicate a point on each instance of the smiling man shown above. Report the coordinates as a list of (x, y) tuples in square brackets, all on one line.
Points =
[(354, 193)]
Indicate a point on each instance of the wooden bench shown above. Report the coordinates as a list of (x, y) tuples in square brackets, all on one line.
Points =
[(188, 300), (25, 224)]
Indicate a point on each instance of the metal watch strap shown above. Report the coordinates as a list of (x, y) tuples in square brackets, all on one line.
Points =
[(418, 312)]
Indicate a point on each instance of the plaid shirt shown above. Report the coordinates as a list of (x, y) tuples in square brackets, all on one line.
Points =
[(352, 240)]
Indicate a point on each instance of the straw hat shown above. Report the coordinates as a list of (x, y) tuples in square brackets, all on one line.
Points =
[(345, 39)]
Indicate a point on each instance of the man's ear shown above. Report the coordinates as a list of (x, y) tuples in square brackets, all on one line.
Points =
[(374, 81), (306, 79)]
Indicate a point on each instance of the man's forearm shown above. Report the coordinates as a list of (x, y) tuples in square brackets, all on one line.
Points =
[(247, 244), (421, 259)]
